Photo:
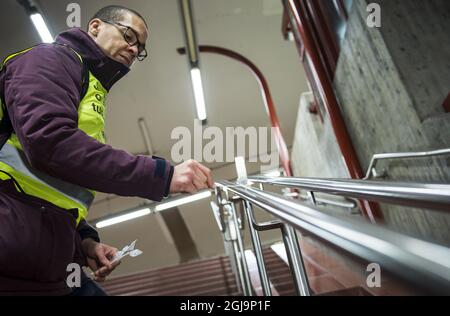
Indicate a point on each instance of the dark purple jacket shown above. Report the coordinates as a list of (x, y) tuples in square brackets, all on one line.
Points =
[(42, 92)]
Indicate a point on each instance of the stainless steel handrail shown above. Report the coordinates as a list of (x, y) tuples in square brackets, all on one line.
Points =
[(265, 283), (226, 217), (420, 262), (421, 154), (349, 204), (230, 228), (431, 196), (240, 250)]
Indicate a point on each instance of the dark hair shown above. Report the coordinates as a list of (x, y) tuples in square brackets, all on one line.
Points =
[(114, 13)]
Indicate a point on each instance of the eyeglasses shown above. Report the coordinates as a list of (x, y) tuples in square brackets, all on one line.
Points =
[(130, 36)]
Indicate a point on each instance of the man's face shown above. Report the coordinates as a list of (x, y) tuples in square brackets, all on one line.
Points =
[(110, 37)]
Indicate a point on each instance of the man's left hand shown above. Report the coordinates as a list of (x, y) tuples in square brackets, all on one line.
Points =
[(99, 258)]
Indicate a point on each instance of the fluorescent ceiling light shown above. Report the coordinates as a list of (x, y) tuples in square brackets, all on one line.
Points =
[(123, 218), (198, 93), (184, 200), (41, 27)]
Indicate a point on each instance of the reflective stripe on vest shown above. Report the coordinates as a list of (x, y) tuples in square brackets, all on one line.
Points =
[(14, 158), (91, 120)]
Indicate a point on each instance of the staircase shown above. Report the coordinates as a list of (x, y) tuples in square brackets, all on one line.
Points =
[(330, 273), (208, 277)]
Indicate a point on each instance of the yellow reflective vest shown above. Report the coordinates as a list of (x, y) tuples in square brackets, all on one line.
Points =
[(91, 120)]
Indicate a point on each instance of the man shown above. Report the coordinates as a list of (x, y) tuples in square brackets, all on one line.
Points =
[(53, 96)]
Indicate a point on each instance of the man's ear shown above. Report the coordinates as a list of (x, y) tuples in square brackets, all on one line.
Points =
[(94, 27)]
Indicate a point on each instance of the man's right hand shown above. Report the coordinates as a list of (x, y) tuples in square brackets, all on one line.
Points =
[(190, 177)]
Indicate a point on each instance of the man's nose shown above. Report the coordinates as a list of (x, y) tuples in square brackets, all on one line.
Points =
[(133, 50)]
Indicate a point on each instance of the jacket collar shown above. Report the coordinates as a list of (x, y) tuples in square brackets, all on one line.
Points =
[(105, 69)]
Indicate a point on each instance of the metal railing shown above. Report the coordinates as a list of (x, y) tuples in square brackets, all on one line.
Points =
[(231, 226), (407, 155), (421, 263), (432, 196)]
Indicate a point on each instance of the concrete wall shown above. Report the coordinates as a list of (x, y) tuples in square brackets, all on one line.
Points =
[(417, 36), (315, 152), (391, 83)]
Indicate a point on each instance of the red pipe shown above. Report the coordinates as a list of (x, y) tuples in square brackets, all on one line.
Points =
[(326, 92), (267, 98), (446, 104)]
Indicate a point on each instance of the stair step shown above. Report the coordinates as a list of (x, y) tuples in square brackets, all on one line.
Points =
[(161, 278), (355, 291), (176, 270), (211, 276), (188, 289), (167, 286)]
